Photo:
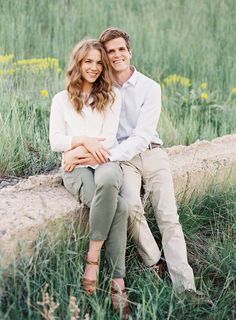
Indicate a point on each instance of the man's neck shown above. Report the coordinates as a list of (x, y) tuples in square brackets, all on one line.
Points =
[(122, 77)]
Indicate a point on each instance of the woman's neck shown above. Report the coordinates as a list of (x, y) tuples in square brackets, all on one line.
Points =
[(86, 88)]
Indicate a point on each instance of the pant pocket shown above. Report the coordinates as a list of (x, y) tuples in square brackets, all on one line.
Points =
[(73, 184)]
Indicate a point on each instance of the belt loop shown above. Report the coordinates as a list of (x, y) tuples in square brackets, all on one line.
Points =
[(153, 145)]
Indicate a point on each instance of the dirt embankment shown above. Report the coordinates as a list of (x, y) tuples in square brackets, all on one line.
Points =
[(41, 203)]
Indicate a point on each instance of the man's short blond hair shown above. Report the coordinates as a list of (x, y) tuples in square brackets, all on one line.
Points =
[(114, 33)]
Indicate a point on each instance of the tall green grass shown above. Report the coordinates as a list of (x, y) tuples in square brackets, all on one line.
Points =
[(194, 39), (184, 37), (209, 225), (24, 120)]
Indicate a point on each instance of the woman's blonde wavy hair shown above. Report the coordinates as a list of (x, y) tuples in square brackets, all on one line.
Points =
[(102, 93)]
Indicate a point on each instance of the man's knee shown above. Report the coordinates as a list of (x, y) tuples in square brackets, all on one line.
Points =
[(136, 218), (167, 218), (122, 207), (135, 211)]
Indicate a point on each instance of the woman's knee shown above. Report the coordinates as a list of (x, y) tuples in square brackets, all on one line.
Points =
[(109, 178), (73, 184), (80, 184)]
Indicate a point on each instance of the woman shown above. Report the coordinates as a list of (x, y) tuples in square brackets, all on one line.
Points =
[(84, 118)]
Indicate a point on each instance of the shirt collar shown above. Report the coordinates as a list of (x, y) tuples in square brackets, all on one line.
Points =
[(133, 79), (90, 101)]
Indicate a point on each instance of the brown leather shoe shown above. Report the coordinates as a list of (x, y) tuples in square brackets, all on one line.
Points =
[(160, 268), (119, 300)]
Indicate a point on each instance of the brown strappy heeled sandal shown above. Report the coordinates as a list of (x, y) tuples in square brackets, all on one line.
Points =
[(90, 286), (119, 297)]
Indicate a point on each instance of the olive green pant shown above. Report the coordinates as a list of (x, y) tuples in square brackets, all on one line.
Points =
[(99, 190)]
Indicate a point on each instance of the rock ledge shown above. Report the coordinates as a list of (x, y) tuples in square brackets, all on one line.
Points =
[(41, 203)]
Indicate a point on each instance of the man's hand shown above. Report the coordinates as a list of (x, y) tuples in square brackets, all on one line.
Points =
[(78, 156), (86, 159), (99, 153)]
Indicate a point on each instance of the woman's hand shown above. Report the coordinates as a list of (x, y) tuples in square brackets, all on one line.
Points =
[(69, 168), (96, 149), (70, 157)]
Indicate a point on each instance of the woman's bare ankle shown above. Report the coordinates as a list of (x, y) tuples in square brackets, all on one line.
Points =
[(118, 284)]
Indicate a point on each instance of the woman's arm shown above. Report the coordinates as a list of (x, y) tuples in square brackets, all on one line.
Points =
[(72, 158), (60, 141), (93, 145)]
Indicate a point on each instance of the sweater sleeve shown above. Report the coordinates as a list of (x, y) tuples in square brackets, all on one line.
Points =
[(58, 138)]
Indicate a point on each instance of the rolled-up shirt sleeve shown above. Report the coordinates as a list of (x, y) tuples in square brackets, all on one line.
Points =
[(146, 126), (58, 138)]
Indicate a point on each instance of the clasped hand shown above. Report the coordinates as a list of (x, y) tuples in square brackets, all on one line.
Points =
[(93, 145), (91, 154)]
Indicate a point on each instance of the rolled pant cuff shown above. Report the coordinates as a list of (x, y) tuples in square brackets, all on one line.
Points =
[(150, 263), (117, 275), (97, 237)]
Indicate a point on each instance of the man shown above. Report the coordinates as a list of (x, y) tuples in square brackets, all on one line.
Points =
[(144, 162)]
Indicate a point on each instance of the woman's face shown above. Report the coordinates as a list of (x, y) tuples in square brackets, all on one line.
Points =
[(91, 66)]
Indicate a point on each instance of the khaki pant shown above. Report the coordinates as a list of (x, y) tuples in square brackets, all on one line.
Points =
[(99, 190), (151, 168)]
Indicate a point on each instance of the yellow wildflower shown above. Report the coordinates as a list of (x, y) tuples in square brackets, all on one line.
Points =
[(234, 90), (37, 65), (9, 72), (204, 96), (44, 93), (204, 85), (6, 58), (177, 79)]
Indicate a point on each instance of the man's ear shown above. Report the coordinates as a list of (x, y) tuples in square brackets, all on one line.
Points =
[(130, 53)]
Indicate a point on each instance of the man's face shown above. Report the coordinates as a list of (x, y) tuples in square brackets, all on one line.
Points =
[(118, 54)]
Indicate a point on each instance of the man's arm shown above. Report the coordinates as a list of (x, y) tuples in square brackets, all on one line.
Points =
[(78, 156)]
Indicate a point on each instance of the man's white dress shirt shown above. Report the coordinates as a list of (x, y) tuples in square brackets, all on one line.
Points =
[(140, 112)]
